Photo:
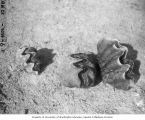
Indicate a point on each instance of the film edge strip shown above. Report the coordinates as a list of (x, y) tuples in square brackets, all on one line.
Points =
[(3, 38)]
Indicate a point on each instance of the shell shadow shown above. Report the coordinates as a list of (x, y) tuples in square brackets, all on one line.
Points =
[(45, 57), (41, 58), (132, 55)]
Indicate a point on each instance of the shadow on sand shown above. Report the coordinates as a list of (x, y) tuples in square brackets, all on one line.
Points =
[(132, 55)]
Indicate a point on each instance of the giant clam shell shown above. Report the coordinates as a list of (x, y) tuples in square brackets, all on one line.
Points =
[(90, 73), (116, 69)]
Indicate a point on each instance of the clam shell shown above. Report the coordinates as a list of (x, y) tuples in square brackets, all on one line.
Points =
[(90, 72), (114, 64)]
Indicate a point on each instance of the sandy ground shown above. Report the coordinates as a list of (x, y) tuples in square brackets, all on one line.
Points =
[(68, 26)]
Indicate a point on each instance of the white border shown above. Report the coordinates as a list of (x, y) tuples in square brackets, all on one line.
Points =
[(76, 116)]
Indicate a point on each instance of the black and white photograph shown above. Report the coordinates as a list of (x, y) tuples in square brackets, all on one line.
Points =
[(72, 58)]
